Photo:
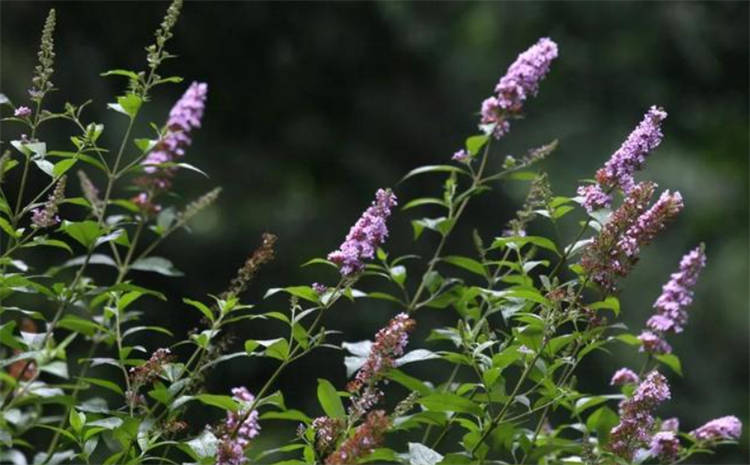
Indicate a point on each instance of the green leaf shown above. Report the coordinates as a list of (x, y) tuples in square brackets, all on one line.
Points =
[(434, 169), (672, 361), (278, 350), (303, 292), (449, 402), (441, 225), (80, 325), (201, 307), (611, 302), (423, 201), (157, 265), (601, 422), (77, 420), (121, 72), (62, 166), (475, 143), (223, 402), (521, 241), (85, 232), (43, 241), (294, 415), (104, 383), (5, 225), (127, 104), (420, 454), (329, 399), (466, 263)]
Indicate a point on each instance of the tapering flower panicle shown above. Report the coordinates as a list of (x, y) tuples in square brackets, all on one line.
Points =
[(46, 216), (665, 445), (156, 53), (677, 295), (636, 422), (624, 376), (519, 82), (198, 205), (238, 429), (603, 259), (650, 223), (260, 256), (185, 116), (365, 236), (327, 432), (41, 83), (654, 343), (618, 171), (22, 112), (90, 192), (724, 428), (367, 437), (389, 344), (151, 369)]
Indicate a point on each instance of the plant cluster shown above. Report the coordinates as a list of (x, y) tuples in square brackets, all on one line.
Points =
[(527, 309)]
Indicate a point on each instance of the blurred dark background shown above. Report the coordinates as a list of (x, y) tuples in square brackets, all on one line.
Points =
[(313, 106)]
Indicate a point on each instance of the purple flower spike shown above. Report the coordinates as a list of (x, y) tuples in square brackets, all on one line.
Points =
[(520, 81), (365, 236), (677, 294), (724, 428), (22, 112), (624, 376), (231, 448)]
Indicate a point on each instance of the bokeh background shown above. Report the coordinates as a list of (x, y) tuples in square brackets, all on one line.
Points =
[(313, 106)]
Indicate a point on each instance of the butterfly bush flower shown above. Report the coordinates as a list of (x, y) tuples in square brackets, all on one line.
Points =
[(618, 171), (231, 449), (327, 431), (46, 216), (636, 421), (671, 424), (624, 376), (665, 445), (654, 343), (185, 116), (365, 236), (519, 82), (460, 156), (22, 112), (389, 344), (650, 223), (677, 293), (724, 428), (319, 289), (365, 439)]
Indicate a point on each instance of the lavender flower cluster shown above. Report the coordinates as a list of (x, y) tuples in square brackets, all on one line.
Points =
[(670, 306), (238, 429), (365, 236), (618, 171), (389, 344), (636, 422), (519, 82), (185, 116), (724, 428), (46, 216)]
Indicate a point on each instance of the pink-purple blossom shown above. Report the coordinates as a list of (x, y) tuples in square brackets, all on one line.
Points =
[(238, 429), (624, 376), (22, 112), (665, 445), (677, 293), (724, 428), (319, 289), (519, 82), (671, 424), (650, 223), (460, 156), (618, 171), (654, 343), (636, 422), (389, 344), (365, 236), (185, 116)]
